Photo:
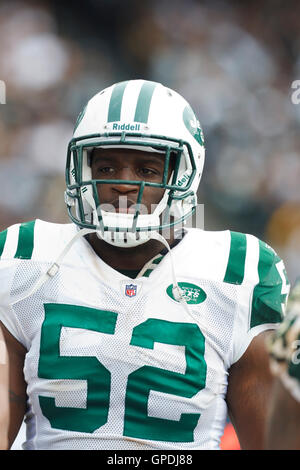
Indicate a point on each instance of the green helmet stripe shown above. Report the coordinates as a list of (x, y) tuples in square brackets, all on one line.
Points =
[(26, 240), (115, 104), (3, 236), (236, 263), (144, 101)]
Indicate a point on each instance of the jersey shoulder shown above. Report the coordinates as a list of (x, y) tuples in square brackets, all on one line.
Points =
[(242, 259), (35, 240), (271, 292), (26, 250), (221, 254), (243, 255)]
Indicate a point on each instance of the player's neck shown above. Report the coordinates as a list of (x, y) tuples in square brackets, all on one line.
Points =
[(126, 258)]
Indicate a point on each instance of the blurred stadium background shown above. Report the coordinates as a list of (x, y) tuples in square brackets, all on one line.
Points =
[(234, 61)]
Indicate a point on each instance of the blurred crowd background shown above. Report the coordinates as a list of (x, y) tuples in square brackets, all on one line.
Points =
[(235, 62)]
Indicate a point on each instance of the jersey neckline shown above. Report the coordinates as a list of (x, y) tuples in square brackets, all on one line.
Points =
[(100, 267)]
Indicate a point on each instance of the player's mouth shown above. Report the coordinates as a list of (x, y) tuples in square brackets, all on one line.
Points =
[(123, 205)]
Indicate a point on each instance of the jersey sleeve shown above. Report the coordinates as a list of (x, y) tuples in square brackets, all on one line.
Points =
[(284, 346), (265, 289), (8, 265), (270, 294), (7, 314)]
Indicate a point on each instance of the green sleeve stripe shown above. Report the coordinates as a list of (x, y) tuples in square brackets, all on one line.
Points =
[(143, 102), (267, 297), (266, 259), (3, 236), (115, 104), (236, 262), (25, 241)]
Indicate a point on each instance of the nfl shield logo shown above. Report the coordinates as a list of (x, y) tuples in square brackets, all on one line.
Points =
[(130, 290)]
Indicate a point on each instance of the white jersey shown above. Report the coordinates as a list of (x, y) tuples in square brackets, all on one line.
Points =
[(117, 363)]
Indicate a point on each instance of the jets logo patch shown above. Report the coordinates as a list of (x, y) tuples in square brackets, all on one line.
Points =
[(191, 293)]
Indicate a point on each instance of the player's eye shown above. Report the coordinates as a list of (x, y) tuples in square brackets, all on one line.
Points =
[(148, 172), (106, 170)]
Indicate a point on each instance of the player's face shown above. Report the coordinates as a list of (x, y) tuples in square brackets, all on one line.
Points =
[(128, 164)]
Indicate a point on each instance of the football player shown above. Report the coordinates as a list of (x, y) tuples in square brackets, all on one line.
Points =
[(283, 425), (125, 333)]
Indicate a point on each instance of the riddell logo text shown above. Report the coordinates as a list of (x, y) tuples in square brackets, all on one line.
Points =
[(126, 127)]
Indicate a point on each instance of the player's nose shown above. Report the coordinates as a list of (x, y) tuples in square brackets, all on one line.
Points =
[(126, 174)]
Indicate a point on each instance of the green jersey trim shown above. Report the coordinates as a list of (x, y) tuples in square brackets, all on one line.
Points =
[(154, 262), (270, 294), (132, 273), (25, 240), (236, 262), (3, 236)]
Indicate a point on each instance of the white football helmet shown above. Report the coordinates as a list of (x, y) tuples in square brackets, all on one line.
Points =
[(142, 115)]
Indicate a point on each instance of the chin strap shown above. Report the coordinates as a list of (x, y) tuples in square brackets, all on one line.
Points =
[(177, 292), (176, 289)]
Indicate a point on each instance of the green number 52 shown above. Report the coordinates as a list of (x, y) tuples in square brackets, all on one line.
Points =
[(137, 423)]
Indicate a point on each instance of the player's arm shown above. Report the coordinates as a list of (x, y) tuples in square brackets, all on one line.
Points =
[(250, 377), (14, 386), (283, 430), (248, 394)]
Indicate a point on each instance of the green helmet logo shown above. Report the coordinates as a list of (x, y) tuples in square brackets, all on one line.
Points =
[(192, 124)]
